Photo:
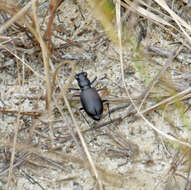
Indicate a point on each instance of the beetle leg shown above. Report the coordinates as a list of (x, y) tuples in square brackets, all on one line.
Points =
[(76, 95), (109, 113), (84, 116), (93, 80), (70, 89), (107, 103)]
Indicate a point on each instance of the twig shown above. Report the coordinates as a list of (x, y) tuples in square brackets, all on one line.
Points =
[(32, 180), (53, 162), (17, 163), (16, 16), (77, 57), (168, 100), (28, 113), (182, 57), (66, 138), (156, 78)]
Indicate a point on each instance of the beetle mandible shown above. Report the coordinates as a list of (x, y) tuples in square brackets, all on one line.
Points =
[(89, 97)]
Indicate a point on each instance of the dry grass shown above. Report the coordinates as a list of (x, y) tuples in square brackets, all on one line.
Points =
[(45, 144)]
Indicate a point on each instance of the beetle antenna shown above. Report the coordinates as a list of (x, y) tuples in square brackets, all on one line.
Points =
[(82, 66)]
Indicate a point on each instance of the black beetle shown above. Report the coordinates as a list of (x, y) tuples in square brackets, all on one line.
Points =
[(90, 99)]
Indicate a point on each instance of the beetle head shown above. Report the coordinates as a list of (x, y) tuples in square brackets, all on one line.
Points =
[(81, 75), (82, 79)]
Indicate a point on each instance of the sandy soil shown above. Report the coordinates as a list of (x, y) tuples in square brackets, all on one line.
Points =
[(128, 154)]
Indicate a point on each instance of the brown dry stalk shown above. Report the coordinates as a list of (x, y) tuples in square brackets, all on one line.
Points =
[(28, 113), (46, 67), (84, 144), (56, 73), (16, 129), (63, 90)]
